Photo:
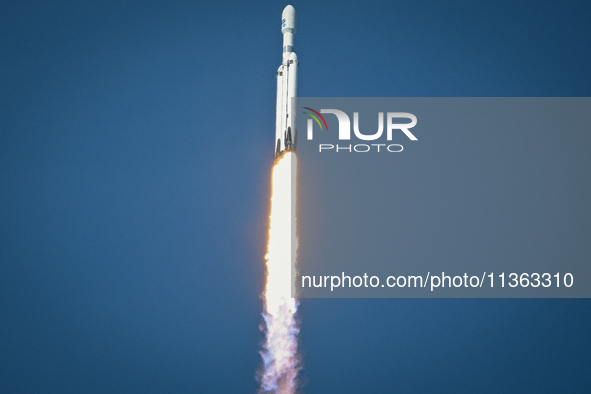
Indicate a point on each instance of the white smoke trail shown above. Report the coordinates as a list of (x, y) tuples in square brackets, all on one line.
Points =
[(280, 349)]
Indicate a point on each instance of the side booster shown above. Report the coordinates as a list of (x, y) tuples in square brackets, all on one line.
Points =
[(287, 78)]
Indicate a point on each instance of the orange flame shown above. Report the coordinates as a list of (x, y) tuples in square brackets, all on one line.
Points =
[(280, 349)]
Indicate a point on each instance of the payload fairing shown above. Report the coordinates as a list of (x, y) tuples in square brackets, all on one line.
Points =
[(287, 78)]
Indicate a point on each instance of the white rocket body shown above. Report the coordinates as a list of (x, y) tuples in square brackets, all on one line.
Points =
[(287, 78)]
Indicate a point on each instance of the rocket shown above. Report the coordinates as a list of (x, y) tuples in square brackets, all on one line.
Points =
[(287, 78)]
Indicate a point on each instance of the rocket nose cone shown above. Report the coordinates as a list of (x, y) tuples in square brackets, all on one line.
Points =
[(288, 10), (288, 19)]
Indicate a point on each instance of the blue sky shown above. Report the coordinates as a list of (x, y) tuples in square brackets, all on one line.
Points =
[(136, 144)]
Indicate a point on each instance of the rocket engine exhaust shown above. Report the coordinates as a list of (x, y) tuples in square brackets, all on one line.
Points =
[(280, 350), (280, 357)]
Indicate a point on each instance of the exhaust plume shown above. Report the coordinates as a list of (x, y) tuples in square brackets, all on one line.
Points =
[(281, 363)]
